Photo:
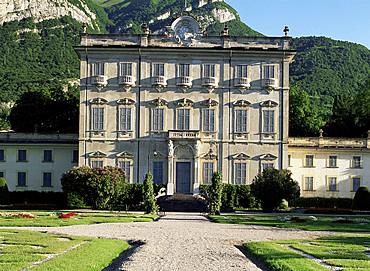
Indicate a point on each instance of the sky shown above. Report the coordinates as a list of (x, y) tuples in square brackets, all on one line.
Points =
[(347, 20)]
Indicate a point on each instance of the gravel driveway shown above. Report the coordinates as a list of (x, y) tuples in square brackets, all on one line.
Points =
[(183, 242)]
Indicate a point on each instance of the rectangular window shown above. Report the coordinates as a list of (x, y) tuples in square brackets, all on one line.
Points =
[(289, 160), (21, 178), (268, 121), (75, 156), (158, 69), (158, 119), (356, 183), (97, 68), (356, 162), (209, 70), (2, 155), (267, 165), (22, 156), (332, 161), (2, 174), (97, 163), (240, 173), (241, 120), (98, 118), (158, 172), (242, 71), (125, 165), (183, 119), (184, 70), (308, 183), (209, 120), (46, 179), (332, 184), (48, 156), (268, 72), (309, 161), (207, 172), (125, 119), (125, 69)]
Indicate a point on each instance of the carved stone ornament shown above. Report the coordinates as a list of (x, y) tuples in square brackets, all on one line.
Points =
[(125, 154), (268, 157), (98, 154), (184, 102), (242, 103), (269, 103), (241, 156), (210, 155), (126, 101), (159, 88), (184, 30), (98, 101), (209, 103), (159, 102)]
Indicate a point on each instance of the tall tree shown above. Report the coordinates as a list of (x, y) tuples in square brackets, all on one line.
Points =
[(362, 109)]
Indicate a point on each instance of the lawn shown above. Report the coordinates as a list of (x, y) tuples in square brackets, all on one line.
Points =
[(20, 249), (348, 252), (51, 219), (303, 222)]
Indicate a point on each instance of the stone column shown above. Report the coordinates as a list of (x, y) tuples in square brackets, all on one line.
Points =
[(197, 168), (170, 186)]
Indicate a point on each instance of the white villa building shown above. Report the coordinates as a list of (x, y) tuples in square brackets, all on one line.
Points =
[(182, 105)]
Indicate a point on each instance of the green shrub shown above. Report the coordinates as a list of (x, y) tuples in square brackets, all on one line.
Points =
[(361, 201), (75, 201), (228, 195), (215, 194), (272, 186), (4, 192), (150, 203), (100, 188), (319, 202)]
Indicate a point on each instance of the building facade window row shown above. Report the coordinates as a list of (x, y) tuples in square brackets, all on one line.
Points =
[(331, 162), (47, 156), (332, 184)]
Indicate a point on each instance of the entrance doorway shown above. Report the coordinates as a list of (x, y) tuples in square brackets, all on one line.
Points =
[(183, 177)]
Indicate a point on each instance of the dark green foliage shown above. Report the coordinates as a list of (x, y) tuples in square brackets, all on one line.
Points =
[(50, 111), (150, 203), (57, 199), (100, 188), (361, 201), (4, 192), (272, 186), (319, 202), (303, 120), (215, 194), (325, 68), (75, 201)]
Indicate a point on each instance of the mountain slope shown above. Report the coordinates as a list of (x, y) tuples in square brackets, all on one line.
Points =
[(325, 68)]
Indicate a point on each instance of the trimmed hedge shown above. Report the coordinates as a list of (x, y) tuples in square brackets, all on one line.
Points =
[(361, 201), (4, 192), (32, 198), (319, 202)]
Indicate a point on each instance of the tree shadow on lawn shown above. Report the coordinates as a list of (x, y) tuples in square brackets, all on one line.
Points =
[(125, 256), (253, 259)]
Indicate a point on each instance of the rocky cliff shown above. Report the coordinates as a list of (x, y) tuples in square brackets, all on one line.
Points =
[(40, 10)]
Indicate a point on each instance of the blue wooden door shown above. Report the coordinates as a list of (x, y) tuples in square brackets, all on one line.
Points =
[(183, 177)]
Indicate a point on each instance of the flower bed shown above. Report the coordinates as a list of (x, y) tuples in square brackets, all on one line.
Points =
[(11, 215)]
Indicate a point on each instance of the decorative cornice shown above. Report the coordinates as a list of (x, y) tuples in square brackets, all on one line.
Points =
[(269, 103), (98, 154), (184, 102), (159, 102), (98, 101), (210, 155), (126, 101), (242, 103), (209, 103), (241, 156), (125, 154), (268, 156)]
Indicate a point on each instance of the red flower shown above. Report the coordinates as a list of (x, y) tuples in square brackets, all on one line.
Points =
[(72, 214), (64, 216)]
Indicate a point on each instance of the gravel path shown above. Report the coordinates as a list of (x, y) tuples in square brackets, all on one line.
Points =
[(183, 242)]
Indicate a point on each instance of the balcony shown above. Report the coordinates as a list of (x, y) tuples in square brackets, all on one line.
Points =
[(99, 80), (181, 134), (184, 82), (210, 83), (242, 83), (127, 82), (159, 82), (269, 83)]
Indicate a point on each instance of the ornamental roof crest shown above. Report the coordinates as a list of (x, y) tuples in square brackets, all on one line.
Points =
[(98, 101), (184, 30), (242, 103), (241, 156), (159, 102), (209, 102), (125, 154), (126, 101), (269, 103), (184, 102), (210, 155)]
